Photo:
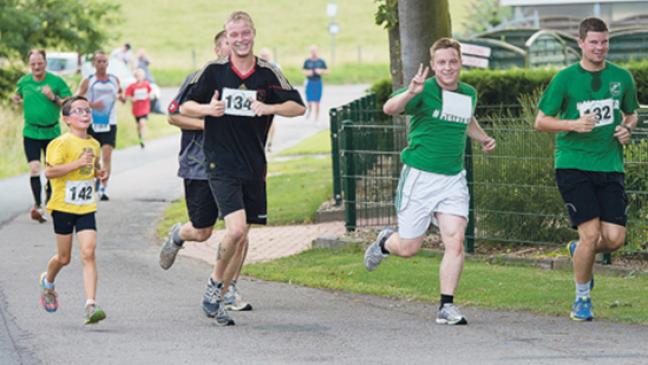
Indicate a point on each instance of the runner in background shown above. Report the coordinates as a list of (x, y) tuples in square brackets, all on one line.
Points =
[(102, 91), (42, 94)]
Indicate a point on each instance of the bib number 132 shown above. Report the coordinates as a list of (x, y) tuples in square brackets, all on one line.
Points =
[(79, 192), (238, 102)]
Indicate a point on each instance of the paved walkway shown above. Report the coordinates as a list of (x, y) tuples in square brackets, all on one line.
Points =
[(267, 243)]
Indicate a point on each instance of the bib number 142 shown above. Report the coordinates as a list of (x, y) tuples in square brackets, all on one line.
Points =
[(79, 192)]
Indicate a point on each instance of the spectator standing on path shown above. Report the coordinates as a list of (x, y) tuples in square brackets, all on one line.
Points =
[(102, 91), (432, 186), (144, 62), (124, 54), (591, 105), (42, 95), (266, 55), (314, 68), (201, 205), (72, 166), (238, 97), (140, 95)]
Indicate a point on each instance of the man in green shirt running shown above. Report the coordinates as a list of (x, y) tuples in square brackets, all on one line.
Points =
[(591, 105), (42, 95), (432, 186)]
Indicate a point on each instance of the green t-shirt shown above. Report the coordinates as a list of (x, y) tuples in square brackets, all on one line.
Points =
[(41, 114), (437, 131), (575, 91)]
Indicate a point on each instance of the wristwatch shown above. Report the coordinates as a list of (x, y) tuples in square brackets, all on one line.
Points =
[(55, 100)]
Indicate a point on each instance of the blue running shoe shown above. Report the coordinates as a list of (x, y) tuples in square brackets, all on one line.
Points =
[(582, 309), (571, 248)]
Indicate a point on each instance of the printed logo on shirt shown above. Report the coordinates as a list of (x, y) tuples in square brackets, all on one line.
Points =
[(615, 88)]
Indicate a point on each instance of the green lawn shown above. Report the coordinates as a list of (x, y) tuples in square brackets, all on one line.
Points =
[(183, 39), (482, 285), (12, 157), (341, 75), (319, 143), (296, 187)]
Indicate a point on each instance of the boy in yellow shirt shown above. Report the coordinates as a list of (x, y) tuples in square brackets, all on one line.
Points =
[(72, 167)]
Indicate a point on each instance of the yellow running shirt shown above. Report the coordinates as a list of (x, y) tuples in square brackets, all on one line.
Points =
[(74, 192)]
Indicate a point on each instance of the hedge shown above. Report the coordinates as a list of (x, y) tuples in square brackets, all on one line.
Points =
[(506, 86)]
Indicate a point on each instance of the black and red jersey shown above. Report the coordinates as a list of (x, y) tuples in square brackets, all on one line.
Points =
[(234, 145)]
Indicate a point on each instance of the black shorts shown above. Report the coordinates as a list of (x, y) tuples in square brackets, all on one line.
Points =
[(140, 118), (201, 205), (588, 195), (105, 138), (232, 194), (33, 148), (65, 223)]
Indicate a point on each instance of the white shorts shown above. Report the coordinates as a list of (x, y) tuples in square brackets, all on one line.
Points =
[(421, 194)]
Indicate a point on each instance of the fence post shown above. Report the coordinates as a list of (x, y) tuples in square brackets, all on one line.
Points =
[(469, 241), (335, 157), (349, 177)]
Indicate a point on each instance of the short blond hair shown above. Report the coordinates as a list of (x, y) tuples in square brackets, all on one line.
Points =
[(241, 15), (443, 43)]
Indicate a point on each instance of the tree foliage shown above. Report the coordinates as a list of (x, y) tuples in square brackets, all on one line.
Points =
[(80, 26), (387, 13), (484, 15)]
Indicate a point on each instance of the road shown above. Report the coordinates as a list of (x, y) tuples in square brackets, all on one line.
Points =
[(154, 316)]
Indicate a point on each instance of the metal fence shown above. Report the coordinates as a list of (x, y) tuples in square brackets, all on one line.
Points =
[(513, 191)]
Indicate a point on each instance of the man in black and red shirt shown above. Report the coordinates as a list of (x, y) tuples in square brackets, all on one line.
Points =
[(238, 97)]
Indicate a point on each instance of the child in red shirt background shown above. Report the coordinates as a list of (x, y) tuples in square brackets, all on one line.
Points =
[(140, 94)]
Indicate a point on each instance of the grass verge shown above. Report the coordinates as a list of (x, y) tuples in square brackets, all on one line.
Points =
[(319, 143), (12, 157), (296, 187), (483, 285), (344, 74)]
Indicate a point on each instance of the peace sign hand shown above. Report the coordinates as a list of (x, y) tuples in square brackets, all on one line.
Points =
[(416, 85)]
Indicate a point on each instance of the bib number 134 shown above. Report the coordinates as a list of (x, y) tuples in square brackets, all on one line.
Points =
[(238, 102)]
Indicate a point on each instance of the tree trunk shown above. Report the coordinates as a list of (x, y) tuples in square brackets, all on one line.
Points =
[(421, 23), (395, 64)]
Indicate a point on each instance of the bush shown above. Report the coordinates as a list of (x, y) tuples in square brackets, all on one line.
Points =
[(504, 87), (8, 78)]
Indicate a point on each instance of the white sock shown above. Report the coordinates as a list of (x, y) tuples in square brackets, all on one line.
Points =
[(90, 301), (583, 290)]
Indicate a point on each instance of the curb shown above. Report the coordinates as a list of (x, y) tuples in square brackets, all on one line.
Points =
[(557, 263)]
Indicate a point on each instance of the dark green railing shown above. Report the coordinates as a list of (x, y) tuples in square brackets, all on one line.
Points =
[(514, 198)]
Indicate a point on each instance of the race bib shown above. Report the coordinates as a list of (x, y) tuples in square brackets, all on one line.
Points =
[(456, 107), (237, 102), (603, 109), (100, 128), (79, 192), (140, 94)]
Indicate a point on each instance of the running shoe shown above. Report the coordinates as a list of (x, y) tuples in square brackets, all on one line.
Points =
[(213, 306), (103, 195), (373, 255), (169, 249), (571, 248), (449, 314), (38, 214), (48, 295), (93, 314), (233, 300), (582, 309)]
